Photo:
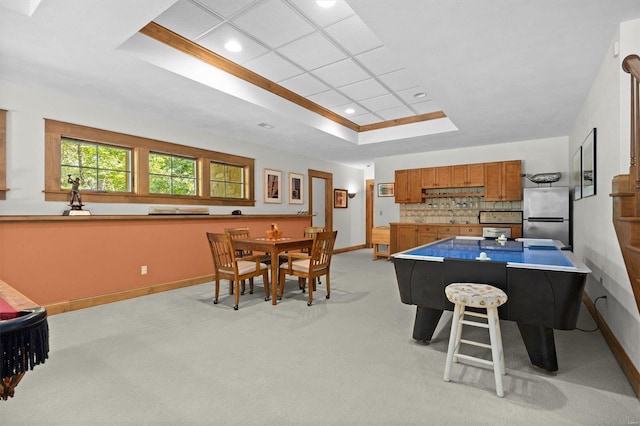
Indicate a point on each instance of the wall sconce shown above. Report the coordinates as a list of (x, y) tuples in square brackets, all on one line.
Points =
[(351, 194)]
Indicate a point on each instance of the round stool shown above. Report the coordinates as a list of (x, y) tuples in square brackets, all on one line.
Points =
[(482, 296)]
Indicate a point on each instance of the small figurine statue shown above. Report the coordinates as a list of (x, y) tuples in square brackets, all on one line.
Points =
[(76, 199)]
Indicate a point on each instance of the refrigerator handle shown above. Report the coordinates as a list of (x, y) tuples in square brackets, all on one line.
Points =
[(544, 219)]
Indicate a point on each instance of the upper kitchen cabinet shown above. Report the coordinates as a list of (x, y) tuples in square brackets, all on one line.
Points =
[(408, 186), (467, 175), (436, 177), (503, 181)]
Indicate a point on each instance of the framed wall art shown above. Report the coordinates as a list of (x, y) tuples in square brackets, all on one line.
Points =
[(296, 188), (589, 165), (386, 190), (272, 180), (340, 197), (576, 173)]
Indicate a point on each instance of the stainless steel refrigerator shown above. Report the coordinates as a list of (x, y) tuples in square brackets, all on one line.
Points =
[(546, 213)]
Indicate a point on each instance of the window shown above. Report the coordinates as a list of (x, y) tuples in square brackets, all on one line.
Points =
[(170, 174), (120, 168), (227, 180), (99, 167)]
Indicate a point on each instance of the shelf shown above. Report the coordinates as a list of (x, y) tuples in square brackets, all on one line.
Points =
[(454, 195)]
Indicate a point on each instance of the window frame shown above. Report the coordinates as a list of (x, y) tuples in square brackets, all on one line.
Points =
[(3, 154), (245, 176), (140, 147), (98, 167)]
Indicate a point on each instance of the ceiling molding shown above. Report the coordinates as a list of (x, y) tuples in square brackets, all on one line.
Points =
[(184, 45)]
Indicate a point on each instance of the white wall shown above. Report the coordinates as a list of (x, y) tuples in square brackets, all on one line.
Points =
[(607, 109), (534, 156), (28, 107)]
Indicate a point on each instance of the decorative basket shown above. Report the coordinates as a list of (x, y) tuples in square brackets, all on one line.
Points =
[(545, 177), (273, 234)]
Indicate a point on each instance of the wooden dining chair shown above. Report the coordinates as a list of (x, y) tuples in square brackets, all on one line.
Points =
[(243, 233), (309, 232), (229, 267), (309, 266)]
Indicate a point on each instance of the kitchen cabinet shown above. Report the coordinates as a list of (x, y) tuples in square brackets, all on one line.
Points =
[(406, 235), (503, 181), (403, 237), (448, 231), (471, 230), (427, 234), (467, 175), (436, 177), (408, 187)]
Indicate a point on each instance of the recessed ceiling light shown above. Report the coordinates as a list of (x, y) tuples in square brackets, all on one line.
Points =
[(233, 46), (420, 95), (349, 110), (265, 125), (326, 3)]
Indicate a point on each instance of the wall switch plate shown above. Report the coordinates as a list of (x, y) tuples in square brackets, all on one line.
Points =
[(143, 270)]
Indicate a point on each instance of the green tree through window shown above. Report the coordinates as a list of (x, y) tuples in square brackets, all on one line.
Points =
[(99, 167), (170, 174)]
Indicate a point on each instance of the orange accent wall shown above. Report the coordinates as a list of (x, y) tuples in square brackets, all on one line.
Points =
[(62, 260)]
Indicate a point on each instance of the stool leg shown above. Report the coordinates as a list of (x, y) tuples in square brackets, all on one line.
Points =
[(461, 314), (455, 325), (499, 336), (492, 314)]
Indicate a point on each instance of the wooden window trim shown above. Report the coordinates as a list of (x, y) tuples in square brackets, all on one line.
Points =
[(140, 146), (3, 155)]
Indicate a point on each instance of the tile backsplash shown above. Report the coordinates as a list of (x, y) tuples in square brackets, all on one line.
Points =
[(459, 209)]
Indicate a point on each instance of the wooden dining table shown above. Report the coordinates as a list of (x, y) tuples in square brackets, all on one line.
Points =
[(274, 247)]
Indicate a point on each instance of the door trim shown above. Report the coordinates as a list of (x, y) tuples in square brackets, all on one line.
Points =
[(328, 195)]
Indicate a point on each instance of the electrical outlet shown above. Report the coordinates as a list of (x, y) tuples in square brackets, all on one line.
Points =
[(143, 270)]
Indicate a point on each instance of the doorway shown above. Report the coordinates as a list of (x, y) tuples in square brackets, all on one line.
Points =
[(321, 183), (369, 191)]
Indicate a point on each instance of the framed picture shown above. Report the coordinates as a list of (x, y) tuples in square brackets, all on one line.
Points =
[(576, 173), (272, 186), (340, 197), (386, 190), (589, 165), (296, 188)]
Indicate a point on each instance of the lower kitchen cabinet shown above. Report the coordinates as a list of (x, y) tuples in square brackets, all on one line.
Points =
[(405, 236)]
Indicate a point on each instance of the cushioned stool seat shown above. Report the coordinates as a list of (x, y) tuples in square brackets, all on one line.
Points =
[(481, 296)]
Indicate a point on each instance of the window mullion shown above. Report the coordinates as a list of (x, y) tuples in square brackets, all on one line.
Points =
[(141, 174)]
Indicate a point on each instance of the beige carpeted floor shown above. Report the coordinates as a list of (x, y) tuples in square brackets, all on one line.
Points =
[(176, 359)]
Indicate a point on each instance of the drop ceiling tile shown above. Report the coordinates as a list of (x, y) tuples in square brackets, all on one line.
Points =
[(273, 67), (341, 73), (304, 85), (341, 110), (329, 99), (354, 35), (409, 97), (323, 16), (381, 103), (274, 23), (426, 107), (398, 80), (216, 39), (364, 89), (393, 113), (312, 51), (187, 19), (226, 8), (365, 119), (379, 61)]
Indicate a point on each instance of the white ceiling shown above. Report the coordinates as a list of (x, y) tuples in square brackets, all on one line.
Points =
[(502, 70)]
